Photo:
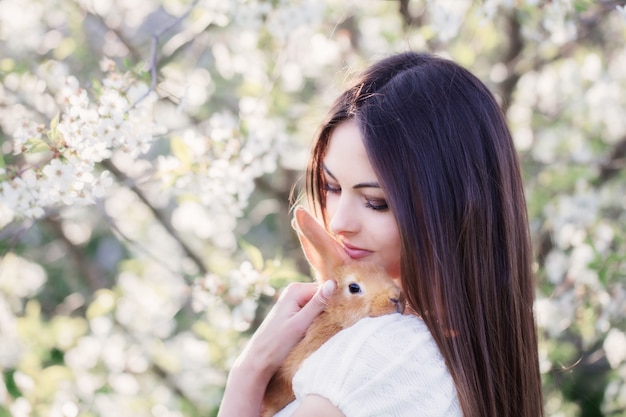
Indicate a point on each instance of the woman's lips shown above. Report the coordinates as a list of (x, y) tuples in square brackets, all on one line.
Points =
[(354, 252)]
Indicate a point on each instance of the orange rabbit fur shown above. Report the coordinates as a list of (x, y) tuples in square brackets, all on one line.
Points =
[(363, 290)]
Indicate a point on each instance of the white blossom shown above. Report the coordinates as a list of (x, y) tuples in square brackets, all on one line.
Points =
[(20, 278), (89, 131), (447, 17), (26, 136), (554, 315), (615, 347), (622, 11)]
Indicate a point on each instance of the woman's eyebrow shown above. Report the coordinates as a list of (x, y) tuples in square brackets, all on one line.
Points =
[(327, 171), (359, 185)]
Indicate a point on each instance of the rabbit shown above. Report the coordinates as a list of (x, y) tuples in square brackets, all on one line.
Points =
[(363, 290)]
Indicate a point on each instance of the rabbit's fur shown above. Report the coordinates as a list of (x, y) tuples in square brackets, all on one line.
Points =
[(375, 294)]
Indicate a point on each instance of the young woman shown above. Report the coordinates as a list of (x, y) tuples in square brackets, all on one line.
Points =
[(415, 170)]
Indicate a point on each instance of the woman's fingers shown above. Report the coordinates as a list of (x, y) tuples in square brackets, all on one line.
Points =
[(315, 305), (281, 330), (286, 323)]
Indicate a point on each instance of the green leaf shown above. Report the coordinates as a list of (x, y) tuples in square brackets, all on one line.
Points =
[(103, 303), (582, 5), (181, 151), (54, 123), (35, 145), (4, 412), (10, 384), (96, 85), (254, 255), (53, 134)]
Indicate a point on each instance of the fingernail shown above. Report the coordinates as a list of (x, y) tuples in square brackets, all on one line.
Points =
[(328, 288)]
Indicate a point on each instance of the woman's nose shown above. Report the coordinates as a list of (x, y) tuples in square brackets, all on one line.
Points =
[(344, 219)]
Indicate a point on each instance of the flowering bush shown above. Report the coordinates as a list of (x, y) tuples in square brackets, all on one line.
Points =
[(148, 153)]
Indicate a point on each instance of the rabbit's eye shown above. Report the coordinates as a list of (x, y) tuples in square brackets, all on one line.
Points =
[(354, 288)]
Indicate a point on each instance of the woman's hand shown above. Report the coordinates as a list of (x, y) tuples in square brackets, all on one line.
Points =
[(281, 330)]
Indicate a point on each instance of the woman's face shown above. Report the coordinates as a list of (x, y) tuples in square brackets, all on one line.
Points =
[(356, 205)]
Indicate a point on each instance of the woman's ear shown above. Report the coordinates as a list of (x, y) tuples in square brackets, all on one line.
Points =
[(323, 252)]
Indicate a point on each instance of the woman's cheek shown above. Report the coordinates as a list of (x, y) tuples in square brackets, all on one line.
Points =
[(331, 206)]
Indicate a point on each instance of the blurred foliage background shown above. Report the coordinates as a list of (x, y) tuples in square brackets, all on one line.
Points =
[(149, 149)]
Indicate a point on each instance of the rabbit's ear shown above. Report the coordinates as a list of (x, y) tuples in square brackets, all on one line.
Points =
[(322, 251)]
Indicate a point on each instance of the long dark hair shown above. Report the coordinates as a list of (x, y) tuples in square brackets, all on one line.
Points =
[(440, 146)]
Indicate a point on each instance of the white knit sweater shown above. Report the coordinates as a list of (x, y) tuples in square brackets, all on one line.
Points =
[(385, 366)]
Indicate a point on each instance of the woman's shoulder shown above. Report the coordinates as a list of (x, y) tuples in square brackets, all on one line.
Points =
[(394, 334), (396, 326), (391, 363)]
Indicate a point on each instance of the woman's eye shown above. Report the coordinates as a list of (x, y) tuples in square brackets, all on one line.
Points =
[(378, 205), (330, 189)]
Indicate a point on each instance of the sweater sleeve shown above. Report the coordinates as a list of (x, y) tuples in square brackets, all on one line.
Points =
[(383, 366)]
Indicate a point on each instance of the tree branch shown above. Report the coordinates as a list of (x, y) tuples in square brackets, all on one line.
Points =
[(608, 170), (91, 272), (160, 217), (615, 163), (510, 58), (154, 59), (134, 52), (408, 19), (587, 23)]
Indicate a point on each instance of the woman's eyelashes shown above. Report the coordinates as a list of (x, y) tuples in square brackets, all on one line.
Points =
[(376, 204), (331, 189)]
